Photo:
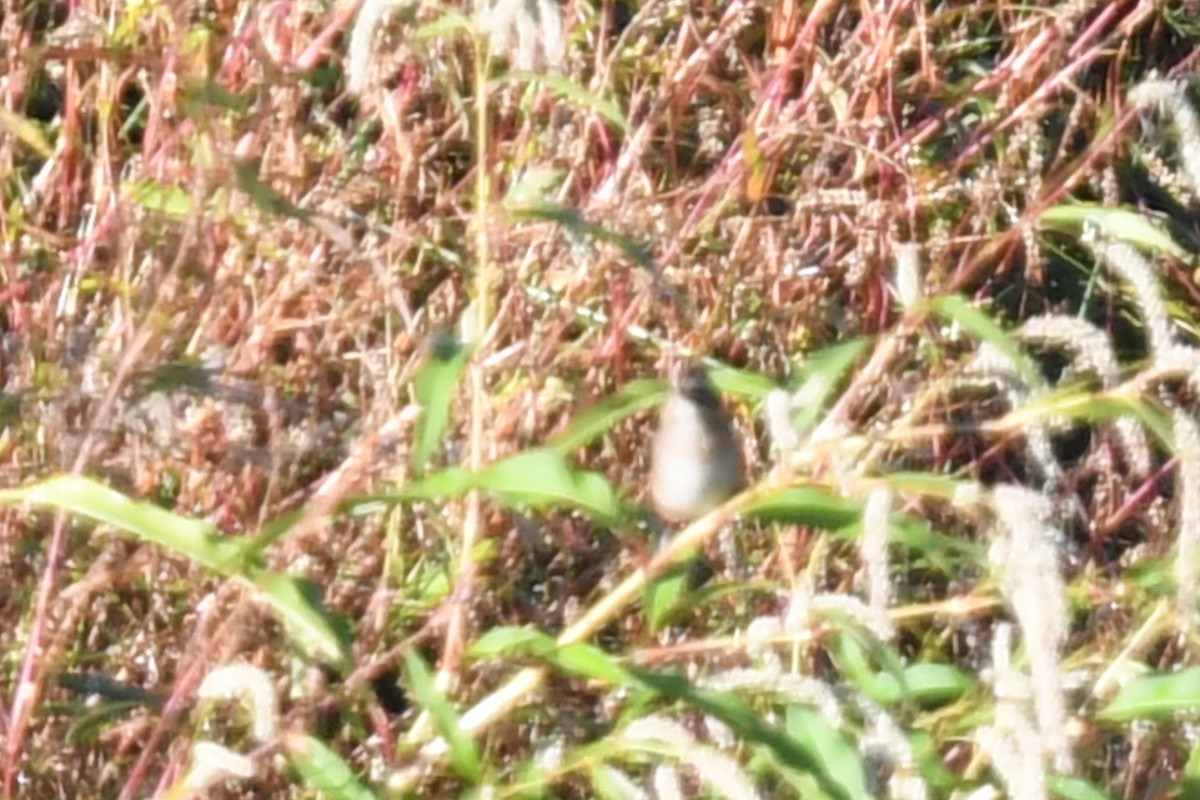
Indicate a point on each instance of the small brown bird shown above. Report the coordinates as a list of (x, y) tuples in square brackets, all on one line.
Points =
[(696, 458)]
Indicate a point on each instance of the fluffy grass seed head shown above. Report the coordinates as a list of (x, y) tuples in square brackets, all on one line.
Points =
[(1187, 438)]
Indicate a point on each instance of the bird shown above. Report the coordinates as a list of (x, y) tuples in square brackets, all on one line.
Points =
[(696, 456)]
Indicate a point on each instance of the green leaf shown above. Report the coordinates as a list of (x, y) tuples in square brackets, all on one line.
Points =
[(539, 478), (943, 553), (1191, 774), (510, 641), (193, 539), (806, 505), (542, 478), (581, 659), (850, 654), (263, 196), (663, 598), (605, 785), (451, 24), (463, 755), (445, 484), (589, 661), (1076, 789), (924, 684), (202, 96), (818, 749), (1087, 406), (323, 770), (531, 188), (956, 309), (85, 730), (309, 624), (434, 387), (1130, 226), (835, 760), (304, 618), (579, 227), (26, 131), (933, 770), (1159, 696), (820, 377), (923, 483), (565, 89), (605, 415), (170, 201), (740, 382)]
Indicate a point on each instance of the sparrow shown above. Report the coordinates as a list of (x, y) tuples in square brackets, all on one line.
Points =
[(696, 458)]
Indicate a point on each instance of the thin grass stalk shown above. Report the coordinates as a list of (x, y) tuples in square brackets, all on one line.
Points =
[(456, 632)]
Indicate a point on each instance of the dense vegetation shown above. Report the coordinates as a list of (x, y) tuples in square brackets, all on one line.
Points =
[(331, 335)]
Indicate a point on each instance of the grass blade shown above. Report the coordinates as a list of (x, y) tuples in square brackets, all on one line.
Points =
[(955, 308), (323, 770), (463, 755), (434, 387), (1161, 696), (193, 539), (1125, 224), (820, 749)]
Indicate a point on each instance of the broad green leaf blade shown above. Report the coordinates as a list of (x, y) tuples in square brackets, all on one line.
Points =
[(170, 201), (929, 759), (193, 539), (605, 415), (1075, 789), (942, 552), (581, 659), (836, 761), (806, 505), (1139, 230), (922, 483), (1161, 696), (573, 221), (820, 377), (450, 25), (532, 188), (663, 598), (924, 684), (1191, 774), (511, 641), (955, 308), (539, 478), (273, 530), (820, 758), (542, 478), (323, 770), (930, 684), (463, 755), (1090, 407), (565, 89), (740, 382), (606, 783), (200, 97), (589, 661), (434, 387), (850, 654), (26, 131), (308, 623), (445, 484)]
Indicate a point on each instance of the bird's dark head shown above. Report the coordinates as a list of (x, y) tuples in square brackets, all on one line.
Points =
[(691, 381)]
